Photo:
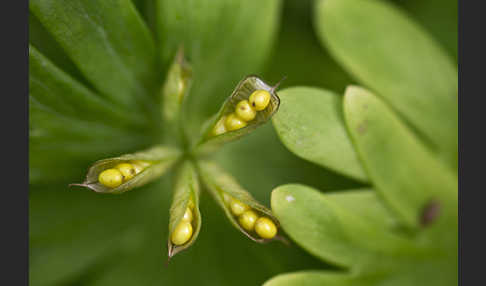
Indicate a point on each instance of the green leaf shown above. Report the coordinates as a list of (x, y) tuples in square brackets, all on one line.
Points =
[(154, 163), (186, 190), (261, 162), (439, 17), (394, 57), (403, 171), (69, 122), (209, 140), (311, 125), (55, 89), (72, 232), (329, 230), (297, 37), (366, 204), (108, 42), (72, 142), (220, 252), (223, 40), (219, 184), (40, 38), (316, 278)]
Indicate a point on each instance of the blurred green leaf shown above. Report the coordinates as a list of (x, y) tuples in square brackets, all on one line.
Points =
[(73, 225), (378, 256), (329, 230), (70, 231), (406, 174), (224, 41), (366, 204), (437, 16), (108, 42), (55, 89), (316, 278), (40, 38), (60, 146), (311, 125), (387, 51), (428, 271), (296, 37), (271, 165)]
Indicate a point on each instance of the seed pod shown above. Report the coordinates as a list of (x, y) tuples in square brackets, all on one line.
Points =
[(225, 191), (176, 86), (213, 135), (148, 165), (186, 198)]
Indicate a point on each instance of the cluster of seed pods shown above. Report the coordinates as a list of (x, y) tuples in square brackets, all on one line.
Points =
[(245, 111), (121, 173), (183, 231), (249, 219)]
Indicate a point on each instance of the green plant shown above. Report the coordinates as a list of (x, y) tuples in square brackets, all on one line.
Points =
[(98, 75), (403, 141)]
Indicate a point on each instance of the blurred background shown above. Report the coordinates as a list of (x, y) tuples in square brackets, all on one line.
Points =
[(83, 238)]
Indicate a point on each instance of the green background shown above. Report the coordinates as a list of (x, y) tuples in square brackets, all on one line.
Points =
[(79, 237)]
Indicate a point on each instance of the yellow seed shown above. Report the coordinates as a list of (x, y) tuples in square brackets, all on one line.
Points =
[(127, 170), (187, 215), (227, 199), (219, 128), (248, 219), (265, 228), (259, 99), (139, 165), (245, 111), (110, 178), (182, 233), (234, 123), (238, 207)]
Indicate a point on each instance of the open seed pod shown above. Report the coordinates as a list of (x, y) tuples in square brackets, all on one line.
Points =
[(223, 186), (176, 86), (211, 139), (147, 166), (186, 197)]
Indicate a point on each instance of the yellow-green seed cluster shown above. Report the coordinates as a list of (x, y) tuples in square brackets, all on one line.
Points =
[(121, 173), (245, 112), (183, 231), (249, 219)]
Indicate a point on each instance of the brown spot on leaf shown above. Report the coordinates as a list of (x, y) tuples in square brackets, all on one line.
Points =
[(430, 213), (362, 127)]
